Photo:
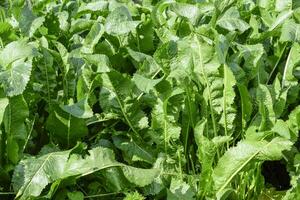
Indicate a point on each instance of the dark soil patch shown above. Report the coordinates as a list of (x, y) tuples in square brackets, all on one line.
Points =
[(276, 174)]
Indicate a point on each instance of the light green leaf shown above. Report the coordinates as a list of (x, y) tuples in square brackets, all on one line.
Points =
[(284, 15), (140, 177), (229, 112), (116, 91), (189, 11), (15, 51), (98, 158), (97, 6), (15, 79), (92, 38), (80, 25), (180, 190), (252, 54), (164, 122), (288, 79), (101, 61), (34, 174), (290, 32), (294, 122), (63, 20), (36, 23), (282, 129), (3, 104), (283, 5), (266, 109), (231, 21), (75, 195), (119, 22), (145, 84)]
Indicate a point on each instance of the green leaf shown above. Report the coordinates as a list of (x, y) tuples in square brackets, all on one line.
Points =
[(246, 103), (164, 122), (236, 158), (16, 78), (15, 115), (92, 38), (282, 129), (3, 104), (252, 54), (21, 50), (292, 60), (34, 174), (283, 5), (100, 158), (229, 112), (290, 32), (116, 97), (206, 154), (97, 6), (75, 195), (119, 22), (231, 21), (80, 25), (133, 151), (145, 84), (134, 196), (28, 22), (64, 127), (294, 122), (81, 109), (266, 109), (101, 61), (189, 11), (140, 177), (180, 190), (284, 15)]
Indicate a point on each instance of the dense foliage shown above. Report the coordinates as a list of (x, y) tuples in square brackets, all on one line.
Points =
[(134, 100)]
